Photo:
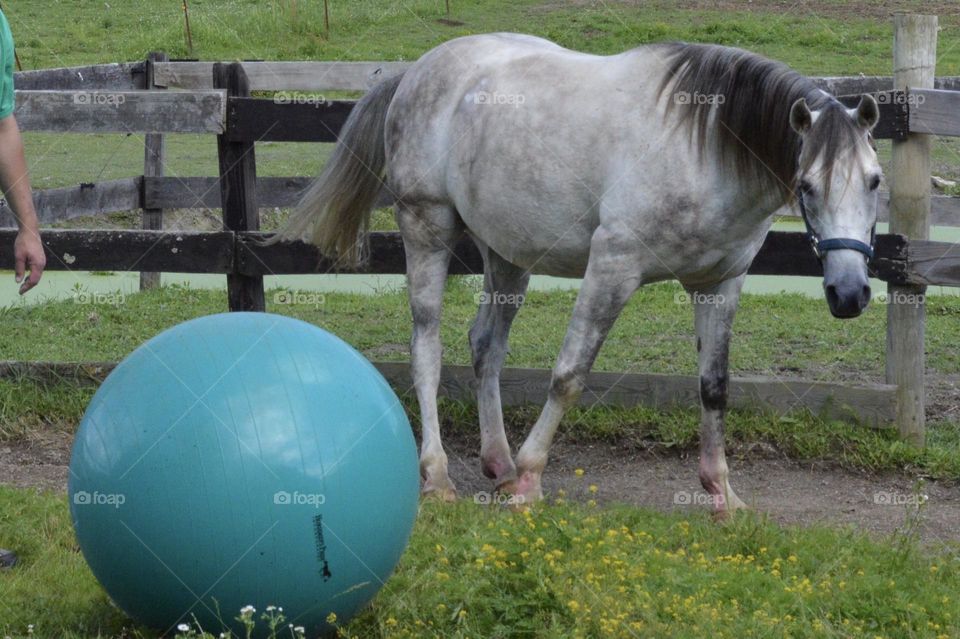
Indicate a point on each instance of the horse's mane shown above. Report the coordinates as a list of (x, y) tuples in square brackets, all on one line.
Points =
[(752, 123)]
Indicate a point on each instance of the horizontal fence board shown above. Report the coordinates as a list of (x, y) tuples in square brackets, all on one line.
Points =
[(244, 254), (280, 76), (870, 405), (121, 111), (934, 111), (360, 76), (386, 257), (56, 205), (933, 263), (789, 253), (125, 76), (262, 119), (204, 192), (850, 85), (944, 210), (156, 251), (266, 119), (783, 253)]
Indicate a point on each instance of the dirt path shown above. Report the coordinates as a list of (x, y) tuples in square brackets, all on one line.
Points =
[(792, 493)]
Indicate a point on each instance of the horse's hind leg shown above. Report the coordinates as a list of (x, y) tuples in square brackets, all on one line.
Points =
[(504, 286), (613, 274), (429, 234)]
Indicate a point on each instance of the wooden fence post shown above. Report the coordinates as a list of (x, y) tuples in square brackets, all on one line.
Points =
[(914, 62), (238, 189), (154, 157)]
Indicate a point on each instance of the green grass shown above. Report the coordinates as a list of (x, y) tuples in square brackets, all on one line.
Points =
[(562, 570), (780, 335), (833, 38)]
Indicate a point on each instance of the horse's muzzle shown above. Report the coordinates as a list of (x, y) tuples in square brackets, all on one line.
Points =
[(847, 302), (845, 283)]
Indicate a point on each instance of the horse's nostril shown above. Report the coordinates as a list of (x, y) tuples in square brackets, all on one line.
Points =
[(832, 297), (865, 294)]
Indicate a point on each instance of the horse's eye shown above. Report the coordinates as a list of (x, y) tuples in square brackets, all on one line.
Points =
[(806, 188), (874, 182)]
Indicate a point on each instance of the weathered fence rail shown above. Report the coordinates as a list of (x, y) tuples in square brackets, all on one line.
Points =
[(872, 405), (170, 192), (243, 253), (121, 111)]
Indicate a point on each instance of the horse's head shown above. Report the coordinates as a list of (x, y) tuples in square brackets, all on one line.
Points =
[(836, 186)]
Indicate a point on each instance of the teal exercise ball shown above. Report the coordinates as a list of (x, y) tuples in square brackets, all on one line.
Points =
[(243, 459)]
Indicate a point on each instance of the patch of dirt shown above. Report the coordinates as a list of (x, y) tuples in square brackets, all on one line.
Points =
[(41, 461), (791, 493)]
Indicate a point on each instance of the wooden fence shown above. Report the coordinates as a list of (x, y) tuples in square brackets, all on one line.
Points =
[(158, 97)]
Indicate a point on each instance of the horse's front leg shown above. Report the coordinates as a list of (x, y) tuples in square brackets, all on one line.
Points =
[(613, 274), (714, 308)]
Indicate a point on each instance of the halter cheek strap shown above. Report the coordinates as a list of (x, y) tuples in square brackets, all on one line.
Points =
[(834, 243)]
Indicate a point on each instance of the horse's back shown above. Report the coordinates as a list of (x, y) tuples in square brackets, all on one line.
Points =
[(516, 133)]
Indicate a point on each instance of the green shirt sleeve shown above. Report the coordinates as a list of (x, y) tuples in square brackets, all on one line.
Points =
[(7, 102)]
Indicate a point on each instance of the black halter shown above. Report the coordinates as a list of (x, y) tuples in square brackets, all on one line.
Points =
[(831, 244)]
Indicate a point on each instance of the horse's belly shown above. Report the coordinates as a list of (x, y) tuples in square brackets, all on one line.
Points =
[(551, 241)]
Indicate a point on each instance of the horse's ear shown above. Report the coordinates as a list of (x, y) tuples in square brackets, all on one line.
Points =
[(800, 117), (868, 113)]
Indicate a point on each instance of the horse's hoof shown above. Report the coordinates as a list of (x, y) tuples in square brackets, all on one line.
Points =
[(445, 495), (506, 487), (522, 492), (728, 513)]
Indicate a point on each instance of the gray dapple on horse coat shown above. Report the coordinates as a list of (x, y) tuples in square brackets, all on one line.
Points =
[(664, 162)]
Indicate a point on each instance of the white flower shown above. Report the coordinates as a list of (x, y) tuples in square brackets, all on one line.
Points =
[(299, 630), (183, 627), (271, 608), (247, 610)]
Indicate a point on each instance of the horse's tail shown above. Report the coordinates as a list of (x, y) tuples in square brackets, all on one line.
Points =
[(334, 213)]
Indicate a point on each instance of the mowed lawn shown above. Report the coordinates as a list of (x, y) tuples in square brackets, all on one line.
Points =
[(560, 570)]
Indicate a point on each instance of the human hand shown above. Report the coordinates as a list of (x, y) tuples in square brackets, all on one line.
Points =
[(30, 259)]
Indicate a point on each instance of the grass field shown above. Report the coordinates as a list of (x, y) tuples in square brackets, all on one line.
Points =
[(566, 569), (819, 38), (563, 570)]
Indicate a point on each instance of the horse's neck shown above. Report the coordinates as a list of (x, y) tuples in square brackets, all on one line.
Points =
[(754, 200)]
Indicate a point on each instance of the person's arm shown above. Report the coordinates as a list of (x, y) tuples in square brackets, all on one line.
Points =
[(14, 178), (15, 183)]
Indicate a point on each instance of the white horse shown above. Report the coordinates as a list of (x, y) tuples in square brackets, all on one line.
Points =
[(664, 162)]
